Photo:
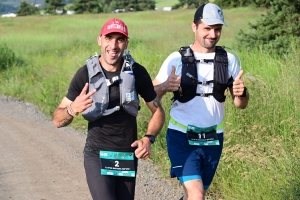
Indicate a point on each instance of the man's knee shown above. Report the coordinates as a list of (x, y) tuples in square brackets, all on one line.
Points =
[(194, 190)]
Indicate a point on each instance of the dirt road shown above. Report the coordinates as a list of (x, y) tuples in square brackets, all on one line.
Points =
[(41, 162)]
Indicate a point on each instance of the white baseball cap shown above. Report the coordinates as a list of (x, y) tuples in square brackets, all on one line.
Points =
[(210, 14)]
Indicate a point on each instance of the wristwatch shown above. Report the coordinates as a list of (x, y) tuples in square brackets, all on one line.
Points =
[(151, 138)]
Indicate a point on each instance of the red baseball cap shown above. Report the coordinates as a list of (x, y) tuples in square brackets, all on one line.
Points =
[(114, 25)]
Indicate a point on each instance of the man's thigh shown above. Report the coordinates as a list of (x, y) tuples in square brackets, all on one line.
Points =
[(105, 186), (191, 162)]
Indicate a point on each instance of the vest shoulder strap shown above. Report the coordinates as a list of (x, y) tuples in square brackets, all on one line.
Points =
[(93, 66), (221, 65), (221, 55)]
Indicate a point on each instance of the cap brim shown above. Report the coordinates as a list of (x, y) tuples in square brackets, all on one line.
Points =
[(115, 31), (213, 21)]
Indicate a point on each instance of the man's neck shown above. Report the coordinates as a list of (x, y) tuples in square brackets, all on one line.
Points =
[(200, 49), (110, 68)]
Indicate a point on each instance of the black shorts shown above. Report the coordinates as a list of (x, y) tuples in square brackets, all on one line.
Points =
[(105, 187)]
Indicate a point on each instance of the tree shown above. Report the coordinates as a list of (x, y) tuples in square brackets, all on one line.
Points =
[(132, 5), (87, 6), (53, 5), (26, 9), (262, 3), (106, 5), (241, 3), (147, 4), (190, 4), (275, 31)]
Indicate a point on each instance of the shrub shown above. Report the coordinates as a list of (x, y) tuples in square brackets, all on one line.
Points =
[(275, 32), (7, 57)]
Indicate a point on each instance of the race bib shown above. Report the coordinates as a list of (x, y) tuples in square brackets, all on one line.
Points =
[(202, 136), (117, 163)]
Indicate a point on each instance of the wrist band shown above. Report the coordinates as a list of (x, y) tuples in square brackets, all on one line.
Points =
[(70, 111)]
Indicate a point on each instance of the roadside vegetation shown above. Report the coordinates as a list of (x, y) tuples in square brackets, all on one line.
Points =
[(261, 158)]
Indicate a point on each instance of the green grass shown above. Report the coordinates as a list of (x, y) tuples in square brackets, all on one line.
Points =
[(261, 157)]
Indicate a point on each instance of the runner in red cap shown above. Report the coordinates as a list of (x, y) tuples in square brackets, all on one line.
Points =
[(106, 91)]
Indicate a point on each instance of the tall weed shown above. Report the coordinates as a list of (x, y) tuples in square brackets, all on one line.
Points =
[(7, 57)]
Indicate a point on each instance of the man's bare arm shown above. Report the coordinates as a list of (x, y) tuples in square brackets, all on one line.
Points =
[(154, 127), (170, 85), (67, 110), (158, 117), (61, 116)]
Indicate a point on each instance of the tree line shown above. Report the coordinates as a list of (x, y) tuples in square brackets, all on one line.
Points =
[(87, 6), (105, 6), (276, 32)]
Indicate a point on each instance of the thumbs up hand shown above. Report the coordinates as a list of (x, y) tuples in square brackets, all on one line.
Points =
[(173, 81), (238, 85)]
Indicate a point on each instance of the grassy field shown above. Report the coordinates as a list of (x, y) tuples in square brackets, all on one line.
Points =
[(261, 158)]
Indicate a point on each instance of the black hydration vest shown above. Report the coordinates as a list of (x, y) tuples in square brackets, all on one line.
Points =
[(189, 76)]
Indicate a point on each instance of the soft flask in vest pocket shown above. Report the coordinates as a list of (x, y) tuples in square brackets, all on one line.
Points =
[(189, 76), (129, 98)]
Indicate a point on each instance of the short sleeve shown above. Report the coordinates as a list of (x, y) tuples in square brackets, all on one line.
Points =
[(166, 68), (143, 83), (78, 82), (233, 66)]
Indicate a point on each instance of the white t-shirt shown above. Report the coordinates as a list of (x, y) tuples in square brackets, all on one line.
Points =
[(200, 111)]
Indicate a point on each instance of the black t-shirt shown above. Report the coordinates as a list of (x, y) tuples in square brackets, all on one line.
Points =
[(117, 131)]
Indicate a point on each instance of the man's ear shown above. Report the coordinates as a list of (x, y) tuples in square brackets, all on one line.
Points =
[(194, 27), (127, 42), (99, 40)]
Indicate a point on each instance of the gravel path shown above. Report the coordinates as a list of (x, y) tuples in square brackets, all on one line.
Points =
[(40, 162)]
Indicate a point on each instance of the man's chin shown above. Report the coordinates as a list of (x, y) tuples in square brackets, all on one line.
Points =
[(210, 47)]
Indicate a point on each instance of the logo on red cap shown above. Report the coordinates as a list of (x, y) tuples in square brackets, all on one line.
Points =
[(114, 26)]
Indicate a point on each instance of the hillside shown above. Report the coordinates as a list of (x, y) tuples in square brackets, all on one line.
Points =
[(10, 6), (16, 3)]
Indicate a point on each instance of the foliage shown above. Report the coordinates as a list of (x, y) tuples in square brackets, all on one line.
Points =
[(106, 6), (190, 3), (7, 57), (54, 5), (243, 3), (26, 9), (262, 3), (99, 6), (233, 3), (130, 5), (87, 6), (276, 31)]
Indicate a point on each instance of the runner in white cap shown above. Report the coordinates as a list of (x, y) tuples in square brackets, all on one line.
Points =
[(198, 75)]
